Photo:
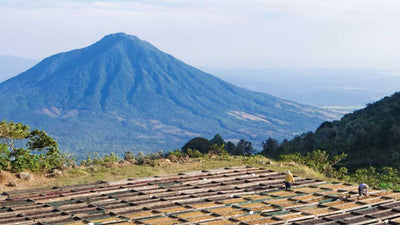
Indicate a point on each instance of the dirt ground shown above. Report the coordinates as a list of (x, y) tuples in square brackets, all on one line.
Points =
[(10, 182)]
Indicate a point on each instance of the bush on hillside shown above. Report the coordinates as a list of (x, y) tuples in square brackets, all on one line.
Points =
[(129, 157), (319, 161), (193, 153), (386, 177), (218, 150), (177, 153)]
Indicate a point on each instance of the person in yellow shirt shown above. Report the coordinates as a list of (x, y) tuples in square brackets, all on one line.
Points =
[(289, 180)]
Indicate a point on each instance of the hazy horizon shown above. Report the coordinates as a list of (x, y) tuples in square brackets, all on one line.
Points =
[(225, 34)]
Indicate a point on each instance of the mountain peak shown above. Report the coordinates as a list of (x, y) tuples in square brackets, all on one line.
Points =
[(119, 36), (126, 90), (124, 43)]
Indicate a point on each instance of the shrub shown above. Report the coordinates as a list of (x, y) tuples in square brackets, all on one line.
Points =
[(319, 161), (22, 160), (140, 158), (296, 157), (129, 156), (176, 153), (155, 155), (111, 158), (194, 153), (88, 161), (218, 150), (386, 177)]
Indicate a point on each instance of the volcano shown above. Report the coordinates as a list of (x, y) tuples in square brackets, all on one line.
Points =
[(123, 94)]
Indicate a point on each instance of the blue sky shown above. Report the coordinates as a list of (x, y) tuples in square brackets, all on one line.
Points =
[(215, 34)]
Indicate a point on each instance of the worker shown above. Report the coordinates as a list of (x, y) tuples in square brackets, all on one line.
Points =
[(363, 190), (289, 180)]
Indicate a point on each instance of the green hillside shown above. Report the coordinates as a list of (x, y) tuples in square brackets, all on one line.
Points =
[(370, 136)]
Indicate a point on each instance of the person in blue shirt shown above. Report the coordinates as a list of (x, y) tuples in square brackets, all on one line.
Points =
[(363, 190)]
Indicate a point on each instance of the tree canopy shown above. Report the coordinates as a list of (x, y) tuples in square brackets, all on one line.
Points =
[(22, 149), (200, 144)]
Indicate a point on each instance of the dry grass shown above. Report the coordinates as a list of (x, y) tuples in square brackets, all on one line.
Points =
[(161, 167)]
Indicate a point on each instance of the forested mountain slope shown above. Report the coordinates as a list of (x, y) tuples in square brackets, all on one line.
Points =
[(370, 136), (122, 93)]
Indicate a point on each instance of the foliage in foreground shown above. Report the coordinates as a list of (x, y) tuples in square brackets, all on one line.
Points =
[(386, 177), (22, 149), (321, 162)]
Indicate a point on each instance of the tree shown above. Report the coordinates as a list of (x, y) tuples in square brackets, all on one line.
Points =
[(4, 156), (244, 148), (11, 132), (308, 142), (231, 147), (270, 147), (200, 144), (320, 161), (41, 150), (217, 140)]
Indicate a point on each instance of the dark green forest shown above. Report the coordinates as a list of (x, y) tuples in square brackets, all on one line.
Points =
[(369, 137)]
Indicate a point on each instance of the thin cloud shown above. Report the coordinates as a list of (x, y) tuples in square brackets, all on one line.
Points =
[(209, 33)]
